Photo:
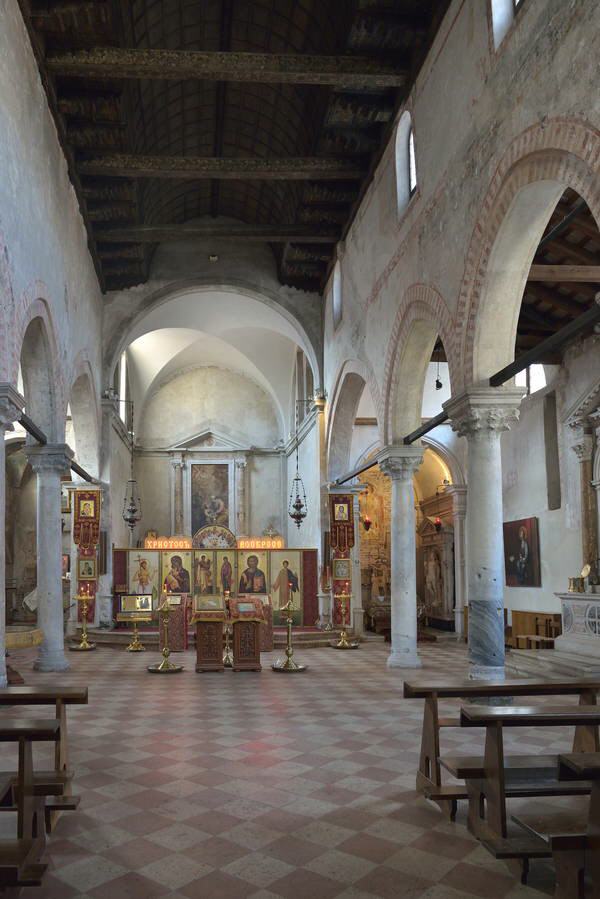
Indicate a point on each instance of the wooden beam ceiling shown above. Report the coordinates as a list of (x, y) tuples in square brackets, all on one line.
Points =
[(113, 63), (300, 168), (219, 231)]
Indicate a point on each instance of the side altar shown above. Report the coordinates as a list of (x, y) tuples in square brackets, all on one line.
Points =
[(216, 563), (580, 624)]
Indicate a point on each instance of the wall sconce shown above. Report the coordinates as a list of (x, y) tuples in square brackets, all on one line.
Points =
[(366, 522), (438, 524)]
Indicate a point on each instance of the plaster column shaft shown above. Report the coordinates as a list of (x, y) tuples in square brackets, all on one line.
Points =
[(178, 525), (481, 414), (584, 450), (400, 464), (11, 406), (49, 463), (459, 508), (240, 487)]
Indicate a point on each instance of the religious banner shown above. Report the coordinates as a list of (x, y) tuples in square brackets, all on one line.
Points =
[(341, 515), (86, 527), (87, 578)]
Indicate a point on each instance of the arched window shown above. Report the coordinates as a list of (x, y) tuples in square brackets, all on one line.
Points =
[(503, 15), (123, 387), (406, 162), (336, 301)]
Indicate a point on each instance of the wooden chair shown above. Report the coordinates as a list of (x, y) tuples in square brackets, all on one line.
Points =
[(57, 782), (20, 863), (429, 776)]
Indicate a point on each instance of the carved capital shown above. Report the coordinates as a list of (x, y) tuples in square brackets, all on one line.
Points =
[(241, 465), (400, 462), (50, 458), (584, 446), (478, 411), (11, 405)]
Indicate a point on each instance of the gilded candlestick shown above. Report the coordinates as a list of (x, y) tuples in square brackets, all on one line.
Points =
[(164, 667), (289, 665), (84, 645), (344, 642)]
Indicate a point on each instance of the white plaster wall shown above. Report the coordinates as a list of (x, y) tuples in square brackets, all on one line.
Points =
[(468, 105), (184, 404), (40, 224), (265, 499), (309, 533), (154, 479)]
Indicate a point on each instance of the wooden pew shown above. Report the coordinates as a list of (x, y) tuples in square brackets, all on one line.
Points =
[(493, 779), (573, 835), (429, 777), (55, 783), (20, 863)]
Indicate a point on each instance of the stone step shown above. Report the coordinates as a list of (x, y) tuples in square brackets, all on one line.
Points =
[(306, 639), (550, 663)]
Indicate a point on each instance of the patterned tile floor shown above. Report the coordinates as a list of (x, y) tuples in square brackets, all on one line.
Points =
[(261, 786)]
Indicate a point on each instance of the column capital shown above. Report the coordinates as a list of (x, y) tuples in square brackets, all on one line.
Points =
[(51, 457), (480, 409), (584, 447), (11, 404), (241, 463), (400, 462)]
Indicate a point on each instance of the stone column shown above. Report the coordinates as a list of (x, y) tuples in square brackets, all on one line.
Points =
[(178, 524), (584, 450), (459, 510), (400, 464), (49, 463), (240, 497), (11, 406), (481, 414)]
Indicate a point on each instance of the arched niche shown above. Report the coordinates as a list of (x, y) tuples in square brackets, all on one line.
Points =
[(352, 384), (84, 412), (39, 380)]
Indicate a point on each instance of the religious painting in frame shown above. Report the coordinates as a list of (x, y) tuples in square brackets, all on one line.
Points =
[(66, 565), (144, 572), (204, 572), (136, 603), (286, 584), (65, 498), (176, 571), (253, 568), (341, 533), (87, 569), (342, 570), (522, 553), (226, 571), (209, 495)]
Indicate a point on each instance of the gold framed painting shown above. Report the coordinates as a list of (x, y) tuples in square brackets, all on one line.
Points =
[(87, 569), (342, 569), (286, 583), (253, 572), (176, 567), (204, 572), (143, 572), (135, 603), (226, 572)]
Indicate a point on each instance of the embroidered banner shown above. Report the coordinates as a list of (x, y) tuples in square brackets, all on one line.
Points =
[(341, 517), (86, 526)]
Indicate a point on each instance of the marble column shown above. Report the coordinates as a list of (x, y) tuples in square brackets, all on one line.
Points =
[(400, 464), (49, 463), (178, 525), (458, 492), (11, 406), (481, 414), (584, 450), (240, 497)]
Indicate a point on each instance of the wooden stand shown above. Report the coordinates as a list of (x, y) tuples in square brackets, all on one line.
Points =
[(209, 646), (246, 645)]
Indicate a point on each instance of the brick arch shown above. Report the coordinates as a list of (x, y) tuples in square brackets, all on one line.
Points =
[(420, 303), (561, 150)]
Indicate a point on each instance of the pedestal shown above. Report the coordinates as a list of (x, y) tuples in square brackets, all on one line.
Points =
[(178, 626), (246, 646), (209, 646)]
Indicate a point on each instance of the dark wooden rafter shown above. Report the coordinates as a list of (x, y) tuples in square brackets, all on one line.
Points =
[(348, 72), (569, 274), (234, 168), (218, 231)]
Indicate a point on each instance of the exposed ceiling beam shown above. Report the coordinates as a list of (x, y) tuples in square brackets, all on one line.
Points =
[(112, 63), (218, 230), (539, 319), (572, 251), (555, 299), (559, 273), (275, 168)]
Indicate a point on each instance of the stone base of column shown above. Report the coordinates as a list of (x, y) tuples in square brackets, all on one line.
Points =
[(51, 661), (3, 681), (486, 640), (358, 621), (459, 622), (403, 655)]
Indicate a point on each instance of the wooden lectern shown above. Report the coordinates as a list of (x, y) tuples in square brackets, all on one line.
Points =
[(247, 615), (209, 616)]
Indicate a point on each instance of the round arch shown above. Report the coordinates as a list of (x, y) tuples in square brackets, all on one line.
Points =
[(350, 383), (37, 353), (421, 318), (85, 412), (535, 170), (289, 323)]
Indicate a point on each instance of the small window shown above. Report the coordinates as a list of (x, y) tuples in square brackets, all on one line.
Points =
[(406, 162), (503, 16), (532, 378), (412, 163), (337, 295), (123, 387)]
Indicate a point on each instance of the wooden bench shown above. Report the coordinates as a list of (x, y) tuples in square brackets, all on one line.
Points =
[(572, 835), (20, 863), (56, 783), (429, 776), (497, 778)]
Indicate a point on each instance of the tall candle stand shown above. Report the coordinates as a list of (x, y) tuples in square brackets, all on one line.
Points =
[(136, 644), (84, 645), (344, 642), (289, 665), (164, 667)]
